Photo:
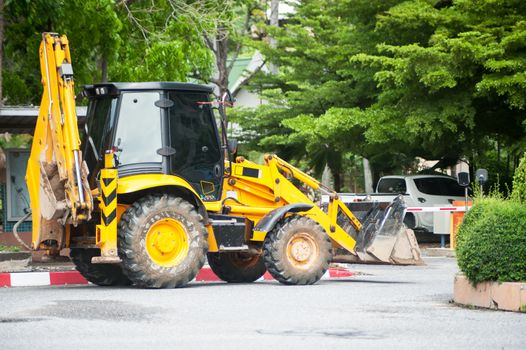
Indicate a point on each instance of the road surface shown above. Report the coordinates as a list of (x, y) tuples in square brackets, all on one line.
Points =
[(385, 308)]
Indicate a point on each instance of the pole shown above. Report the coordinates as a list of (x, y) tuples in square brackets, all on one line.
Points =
[(466, 197)]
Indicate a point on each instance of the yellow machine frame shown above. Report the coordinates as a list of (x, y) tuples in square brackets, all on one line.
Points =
[(251, 196)]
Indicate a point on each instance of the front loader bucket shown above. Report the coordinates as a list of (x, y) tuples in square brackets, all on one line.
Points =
[(383, 237), (380, 230)]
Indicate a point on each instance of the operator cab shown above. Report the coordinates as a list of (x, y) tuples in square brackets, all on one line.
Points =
[(166, 128)]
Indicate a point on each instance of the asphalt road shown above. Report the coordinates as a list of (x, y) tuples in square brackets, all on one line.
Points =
[(388, 308)]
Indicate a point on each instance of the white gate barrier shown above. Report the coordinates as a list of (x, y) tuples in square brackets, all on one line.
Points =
[(444, 222)]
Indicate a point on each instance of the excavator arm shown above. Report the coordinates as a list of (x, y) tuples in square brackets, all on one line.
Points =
[(56, 175)]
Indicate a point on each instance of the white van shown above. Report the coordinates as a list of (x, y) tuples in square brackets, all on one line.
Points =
[(421, 191)]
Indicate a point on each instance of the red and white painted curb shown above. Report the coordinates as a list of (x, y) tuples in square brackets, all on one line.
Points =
[(28, 279)]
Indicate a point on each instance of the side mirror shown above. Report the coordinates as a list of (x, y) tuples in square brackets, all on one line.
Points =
[(228, 98), (232, 146)]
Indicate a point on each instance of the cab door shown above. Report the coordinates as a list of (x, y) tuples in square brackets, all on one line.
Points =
[(195, 141)]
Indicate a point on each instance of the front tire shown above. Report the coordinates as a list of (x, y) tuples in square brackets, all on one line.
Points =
[(297, 251), (99, 274), (234, 267), (162, 242)]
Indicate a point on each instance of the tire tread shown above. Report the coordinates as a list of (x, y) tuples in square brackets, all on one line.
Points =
[(275, 258)]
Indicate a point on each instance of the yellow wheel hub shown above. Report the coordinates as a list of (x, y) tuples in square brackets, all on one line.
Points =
[(302, 250), (167, 242)]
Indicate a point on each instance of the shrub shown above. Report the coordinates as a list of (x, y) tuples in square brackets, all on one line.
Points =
[(519, 182), (491, 243), (8, 248)]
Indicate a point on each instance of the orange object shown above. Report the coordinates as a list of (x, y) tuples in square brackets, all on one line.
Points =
[(456, 219)]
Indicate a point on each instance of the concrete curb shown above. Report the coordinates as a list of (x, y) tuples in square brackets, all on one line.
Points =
[(54, 278), (439, 252), (508, 296)]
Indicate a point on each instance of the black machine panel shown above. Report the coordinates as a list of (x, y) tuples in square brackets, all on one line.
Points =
[(230, 231)]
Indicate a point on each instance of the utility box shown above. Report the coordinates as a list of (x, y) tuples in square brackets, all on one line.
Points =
[(17, 195), (441, 222), (15, 198)]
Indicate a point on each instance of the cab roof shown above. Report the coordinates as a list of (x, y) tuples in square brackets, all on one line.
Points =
[(115, 88)]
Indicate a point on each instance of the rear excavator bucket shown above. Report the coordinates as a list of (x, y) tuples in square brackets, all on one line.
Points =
[(383, 239)]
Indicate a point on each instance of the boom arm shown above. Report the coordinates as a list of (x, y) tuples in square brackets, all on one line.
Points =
[(56, 175)]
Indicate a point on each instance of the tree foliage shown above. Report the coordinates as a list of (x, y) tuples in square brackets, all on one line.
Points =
[(389, 80), (91, 41), (109, 40), (122, 40), (395, 80), (164, 41)]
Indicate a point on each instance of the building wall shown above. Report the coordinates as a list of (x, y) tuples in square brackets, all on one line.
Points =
[(245, 98)]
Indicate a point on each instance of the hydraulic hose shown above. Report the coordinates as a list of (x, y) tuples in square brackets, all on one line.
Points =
[(15, 231)]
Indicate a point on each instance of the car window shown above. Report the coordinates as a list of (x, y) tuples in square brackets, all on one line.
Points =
[(438, 186), (391, 186)]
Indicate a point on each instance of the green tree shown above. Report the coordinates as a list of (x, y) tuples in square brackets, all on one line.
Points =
[(200, 39), (395, 80), (163, 42), (93, 28), (316, 83), (109, 40), (450, 76)]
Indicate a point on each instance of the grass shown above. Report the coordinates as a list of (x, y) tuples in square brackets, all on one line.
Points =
[(9, 248)]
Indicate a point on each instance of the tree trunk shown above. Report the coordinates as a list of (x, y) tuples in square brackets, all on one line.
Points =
[(508, 162), (221, 48), (326, 177), (498, 153), (103, 70), (334, 162), (337, 181), (274, 21), (367, 176)]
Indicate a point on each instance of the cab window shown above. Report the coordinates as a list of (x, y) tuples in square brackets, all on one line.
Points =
[(193, 133), (138, 134)]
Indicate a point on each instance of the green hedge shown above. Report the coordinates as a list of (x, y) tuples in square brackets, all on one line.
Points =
[(491, 242), (519, 182)]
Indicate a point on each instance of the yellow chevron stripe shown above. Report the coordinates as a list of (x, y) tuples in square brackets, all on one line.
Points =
[(107, 190), (107, 211)]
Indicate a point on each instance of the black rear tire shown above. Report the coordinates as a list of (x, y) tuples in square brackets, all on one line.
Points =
[(410, 220), (99, 274), (161, 264), (297, 251), (234, 267)]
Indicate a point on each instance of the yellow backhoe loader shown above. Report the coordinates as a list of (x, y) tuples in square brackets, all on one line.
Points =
[(154, 188)]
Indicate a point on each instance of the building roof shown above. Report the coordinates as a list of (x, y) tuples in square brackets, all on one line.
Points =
[(22, 120), (239, 67), (243, 68)]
